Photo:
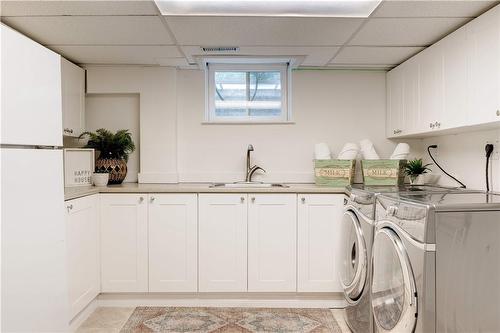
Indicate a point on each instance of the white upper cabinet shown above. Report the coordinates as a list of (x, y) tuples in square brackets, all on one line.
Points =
[(272, 242), (31, 92), (124, 243), (395, 103), (82, 241), (319, 217), (402, 99), (454, 80), (173, 243), (222, 242), (73, 98), (430, 113), (458, 82), (483, 45)]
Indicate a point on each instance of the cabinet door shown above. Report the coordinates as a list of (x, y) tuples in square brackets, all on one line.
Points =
[(173, 243), (272, 242), (430, 89), (454, 79), (73, 98), (124, 248), (222, 242), (31, 91), (483, 39), (319, 217), (395, 117), (82, 234)]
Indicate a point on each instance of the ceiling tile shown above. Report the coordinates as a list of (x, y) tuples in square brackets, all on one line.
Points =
[(405, 31), (314, 55), (258, 31), (92, 30), (117, 54), (434, 8), (73, 7), (375, 55)]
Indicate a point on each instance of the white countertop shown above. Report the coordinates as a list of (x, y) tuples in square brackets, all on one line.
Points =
[(81, 191)]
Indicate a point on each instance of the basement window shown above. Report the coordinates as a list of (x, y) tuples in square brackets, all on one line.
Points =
[(247, 92)]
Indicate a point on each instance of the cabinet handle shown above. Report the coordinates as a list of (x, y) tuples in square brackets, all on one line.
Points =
[(498, 113), (303, 200), (253, 199), (69, 207), (152, 199), (141, 200), (242, 199)]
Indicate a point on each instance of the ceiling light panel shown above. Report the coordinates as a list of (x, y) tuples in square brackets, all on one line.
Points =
[(288, 8)]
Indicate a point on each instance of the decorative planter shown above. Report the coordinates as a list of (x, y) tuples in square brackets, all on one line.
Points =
[(417, 180), (116, 167), (100, 179)]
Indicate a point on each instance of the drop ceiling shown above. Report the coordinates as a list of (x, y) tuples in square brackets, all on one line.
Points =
[(134, 32)]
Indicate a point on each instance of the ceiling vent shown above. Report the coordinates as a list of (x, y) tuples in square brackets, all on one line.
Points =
[(220, 49)]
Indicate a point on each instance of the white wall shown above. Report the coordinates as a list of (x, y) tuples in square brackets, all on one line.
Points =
[(328, 106), (156, 87), (115, 112), (463, 156), (332, 106)]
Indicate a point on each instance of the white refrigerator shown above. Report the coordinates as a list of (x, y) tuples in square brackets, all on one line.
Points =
[(34, 296)]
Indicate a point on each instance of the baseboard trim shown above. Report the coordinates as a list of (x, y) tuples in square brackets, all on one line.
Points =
[(271, 300)]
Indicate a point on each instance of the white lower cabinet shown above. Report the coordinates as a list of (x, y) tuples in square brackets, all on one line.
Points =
[(82, 241), (222, 248), (272, 243), (173, 243), (319, 217), (124, 246)]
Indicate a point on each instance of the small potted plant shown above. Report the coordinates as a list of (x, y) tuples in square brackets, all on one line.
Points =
[(415, 170), (114, 149)]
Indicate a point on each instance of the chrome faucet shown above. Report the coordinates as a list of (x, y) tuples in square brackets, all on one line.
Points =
[(251, 170)]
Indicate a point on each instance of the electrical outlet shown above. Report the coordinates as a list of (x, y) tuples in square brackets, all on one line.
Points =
[(496, 149)]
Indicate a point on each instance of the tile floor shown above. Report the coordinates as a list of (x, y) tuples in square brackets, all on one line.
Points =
[(116, 319)]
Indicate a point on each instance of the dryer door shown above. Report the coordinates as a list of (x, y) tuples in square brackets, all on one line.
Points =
[(353, 259), (394, 301)]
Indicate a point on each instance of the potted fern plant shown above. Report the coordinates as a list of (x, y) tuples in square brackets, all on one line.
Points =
[(415, 169), (114, 150)]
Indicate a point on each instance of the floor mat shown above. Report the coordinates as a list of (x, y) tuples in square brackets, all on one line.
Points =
[(226, 320)]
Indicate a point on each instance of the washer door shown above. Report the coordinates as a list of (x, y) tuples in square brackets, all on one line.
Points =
[(394, 301), (354, 260)]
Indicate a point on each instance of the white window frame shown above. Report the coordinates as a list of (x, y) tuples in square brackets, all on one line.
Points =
[(210, 69)]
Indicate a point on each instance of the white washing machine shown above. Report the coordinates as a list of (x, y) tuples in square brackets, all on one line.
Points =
[(435, 263), (358, 225)]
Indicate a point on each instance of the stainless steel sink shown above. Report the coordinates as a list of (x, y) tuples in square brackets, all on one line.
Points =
[(247, 185)]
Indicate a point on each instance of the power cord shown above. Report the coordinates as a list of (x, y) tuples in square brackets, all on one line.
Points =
[(446, 173), (489, 150)]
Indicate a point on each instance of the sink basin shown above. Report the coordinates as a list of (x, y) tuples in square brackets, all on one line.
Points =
[(247, 185)]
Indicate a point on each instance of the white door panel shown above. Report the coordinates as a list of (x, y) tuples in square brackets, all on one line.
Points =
[(173, 243), (222, 242), (272, 242), (34, 283), (31, 92)]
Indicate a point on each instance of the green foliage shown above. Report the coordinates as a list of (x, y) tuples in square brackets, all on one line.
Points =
[(417, 167), (117, 145)]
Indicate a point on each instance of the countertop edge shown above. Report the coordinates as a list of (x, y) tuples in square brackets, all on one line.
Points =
[(71, 193)]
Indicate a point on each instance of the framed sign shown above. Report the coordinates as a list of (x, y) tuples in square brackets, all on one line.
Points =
[(78, 166)]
